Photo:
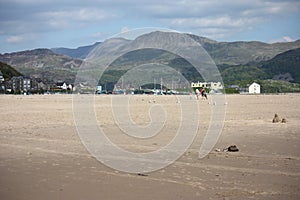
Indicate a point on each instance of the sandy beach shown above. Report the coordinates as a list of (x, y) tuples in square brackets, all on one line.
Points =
[(42, 157)]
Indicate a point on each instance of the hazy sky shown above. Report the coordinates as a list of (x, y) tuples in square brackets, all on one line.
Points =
[(29, 24)]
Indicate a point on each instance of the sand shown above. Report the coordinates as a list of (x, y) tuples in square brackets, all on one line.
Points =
[(42, 157)]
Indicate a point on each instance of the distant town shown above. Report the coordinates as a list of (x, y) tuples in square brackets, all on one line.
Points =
[(27, 85)]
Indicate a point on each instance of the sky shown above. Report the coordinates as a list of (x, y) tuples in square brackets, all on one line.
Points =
[(31, 24)]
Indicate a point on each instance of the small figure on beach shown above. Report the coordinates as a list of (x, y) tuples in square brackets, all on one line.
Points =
[(197, 93), (276, 118), (203, 93)]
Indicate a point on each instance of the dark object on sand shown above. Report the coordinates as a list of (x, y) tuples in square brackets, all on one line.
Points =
[(140, 174), (283, 120), (276, 119), (232, 148)]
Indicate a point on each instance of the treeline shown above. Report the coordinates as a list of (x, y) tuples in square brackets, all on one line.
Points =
[(8, 71)]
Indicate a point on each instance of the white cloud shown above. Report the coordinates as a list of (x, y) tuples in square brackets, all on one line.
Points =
[(15, 39), (283, 39), (124, 29), (55, 20), (288, 39), (23, 38), (67, 17), (222, 21), (227, 16), (214, 33), (219, 27), (212, 18), (98, 35)]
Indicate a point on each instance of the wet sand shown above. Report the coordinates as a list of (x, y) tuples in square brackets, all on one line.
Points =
[(41, 155)]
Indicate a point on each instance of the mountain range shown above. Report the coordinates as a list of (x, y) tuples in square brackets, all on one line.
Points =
[(237, 61), (80, 52), (43, 64), (232, 53)]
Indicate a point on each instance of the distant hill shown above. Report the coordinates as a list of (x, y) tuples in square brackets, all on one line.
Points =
[(44, 64), (284, 66), (232, 53), (241, 52), (278, 86), (80, 52), (238, 62), (8, 71), (253, 54), (241, 74)]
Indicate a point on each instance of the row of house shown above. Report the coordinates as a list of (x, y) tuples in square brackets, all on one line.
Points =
[(253, 88), (22, 84)]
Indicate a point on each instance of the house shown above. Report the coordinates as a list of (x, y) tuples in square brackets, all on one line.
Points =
[(99, 89), (17, 84), (254, 88), (26, 84), (21, 84), (62, 85), (198, 85), (1, 77), (213, 86), (2, 84)]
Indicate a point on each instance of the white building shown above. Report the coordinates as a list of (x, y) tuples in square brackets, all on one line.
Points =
[(254, 88), (1, 77), (210, 85), (215, 85), (62, 85)]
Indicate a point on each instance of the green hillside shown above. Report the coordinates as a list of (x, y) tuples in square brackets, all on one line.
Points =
[(242, 74), (287, 62), (44, 64), (284, 66), (276, 86), (8, 71)]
